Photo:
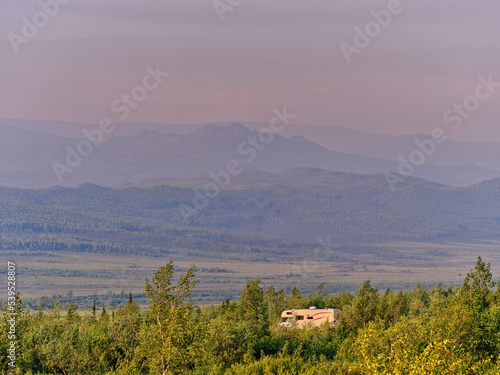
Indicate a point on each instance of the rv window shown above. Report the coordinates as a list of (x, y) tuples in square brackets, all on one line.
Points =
[(300, 317), (310, 318), (289, 313)]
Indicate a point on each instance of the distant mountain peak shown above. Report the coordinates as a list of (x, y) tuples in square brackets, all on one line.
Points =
[(234, 127), (213, 134), (209, 127), (307, 171), (237, 126), (146, 133), (300, 138)]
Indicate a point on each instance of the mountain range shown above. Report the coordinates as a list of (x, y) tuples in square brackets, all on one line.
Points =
[(136, 153)]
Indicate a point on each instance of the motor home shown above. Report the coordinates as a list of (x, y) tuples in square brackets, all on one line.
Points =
[(301, 318)]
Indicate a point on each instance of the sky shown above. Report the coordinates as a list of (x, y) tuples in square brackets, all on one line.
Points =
[(263, 54)]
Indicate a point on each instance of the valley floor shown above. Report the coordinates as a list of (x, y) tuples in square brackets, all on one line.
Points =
[(398, 265)]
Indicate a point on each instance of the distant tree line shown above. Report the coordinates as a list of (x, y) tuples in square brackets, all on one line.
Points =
[(351, 208)]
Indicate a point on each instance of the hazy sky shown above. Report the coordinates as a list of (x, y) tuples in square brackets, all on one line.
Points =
[(266, 53)]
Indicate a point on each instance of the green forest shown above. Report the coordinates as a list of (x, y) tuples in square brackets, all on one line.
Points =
[(294, 207), (453, 330)]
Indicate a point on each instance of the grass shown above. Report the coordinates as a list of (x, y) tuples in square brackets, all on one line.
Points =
[(402, 265)]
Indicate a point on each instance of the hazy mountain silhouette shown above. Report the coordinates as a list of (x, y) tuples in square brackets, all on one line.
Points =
[(26, 158)]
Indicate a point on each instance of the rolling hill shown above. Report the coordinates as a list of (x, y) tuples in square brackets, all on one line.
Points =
[(297, 205)]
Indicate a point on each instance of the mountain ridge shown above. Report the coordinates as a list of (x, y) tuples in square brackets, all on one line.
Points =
[(26, 159), (296, 205)]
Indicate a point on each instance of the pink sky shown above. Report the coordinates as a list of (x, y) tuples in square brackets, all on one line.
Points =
[(265, 54)]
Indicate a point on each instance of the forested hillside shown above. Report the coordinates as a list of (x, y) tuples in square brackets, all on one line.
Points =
[(299, 205), (420, 331)]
